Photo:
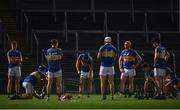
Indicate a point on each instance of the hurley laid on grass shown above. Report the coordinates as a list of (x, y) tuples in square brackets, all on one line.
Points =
[(91, 102)]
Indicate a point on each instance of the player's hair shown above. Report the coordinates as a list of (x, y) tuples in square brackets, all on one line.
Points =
[(14, 43), (144, 65), (155, 40), (86, 52), (129, 42), (85, 57), (54, 41)]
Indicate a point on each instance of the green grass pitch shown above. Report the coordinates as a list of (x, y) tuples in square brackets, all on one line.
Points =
[(85, 103)]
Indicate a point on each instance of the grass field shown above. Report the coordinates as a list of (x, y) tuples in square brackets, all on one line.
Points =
[(84, 102)]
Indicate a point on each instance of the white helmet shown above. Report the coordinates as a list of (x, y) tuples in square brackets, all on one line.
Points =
[(107, 39)]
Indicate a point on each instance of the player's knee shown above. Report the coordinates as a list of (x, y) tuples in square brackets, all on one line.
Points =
[(29, 95), (102, 82), (17, 82), (48, 86), (58, 83), (146, 82), (111, 82), (10, 81), (81, 84), (123, 79), (49, 83)]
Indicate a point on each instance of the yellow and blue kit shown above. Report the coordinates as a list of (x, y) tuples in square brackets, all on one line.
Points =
[(14, 55), (34, 77), (54, 56), (161, 62), (108, 54), (129, 58), (86, 62)]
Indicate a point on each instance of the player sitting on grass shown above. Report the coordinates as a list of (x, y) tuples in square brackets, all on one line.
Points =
[(84, 66), (149, 79), (30, 81)]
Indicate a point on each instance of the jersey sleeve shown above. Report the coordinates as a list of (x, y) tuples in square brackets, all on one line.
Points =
[(60, 53), (115, 50), (48, 52), (80, 57), (121, 54), (20, 53), (101, 49)]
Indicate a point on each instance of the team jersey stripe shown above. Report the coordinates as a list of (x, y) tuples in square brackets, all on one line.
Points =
[(129, 58), (36, 74), (54, 57)]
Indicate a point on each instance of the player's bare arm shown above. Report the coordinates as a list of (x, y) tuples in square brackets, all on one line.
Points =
[(78, 63), (156, 56), (120, 64), (139, 60), (99, 55)]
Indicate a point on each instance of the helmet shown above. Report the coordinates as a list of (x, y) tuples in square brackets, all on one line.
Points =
[(107, 39), (42, 68)]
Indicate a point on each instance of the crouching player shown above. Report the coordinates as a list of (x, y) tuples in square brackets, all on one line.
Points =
[(38, 76), (172, 85), (84, 66), (149, 79)]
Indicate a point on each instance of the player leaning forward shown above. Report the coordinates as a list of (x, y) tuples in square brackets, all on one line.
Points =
[(54, 56), (84, 66), (107, 55), (32, 80)]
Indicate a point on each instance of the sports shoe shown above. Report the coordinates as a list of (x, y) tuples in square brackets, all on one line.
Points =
[(129, 95), (58, 98), (14, 97), (102, 98), (47, 98), (9, 96), (146, 96), (42, 95), (79, 96), (112, 97)]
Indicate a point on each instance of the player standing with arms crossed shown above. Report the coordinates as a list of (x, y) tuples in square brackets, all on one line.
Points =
[(54, 56), (84, 66), (14, 70), (107, 55), (129, 60)]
